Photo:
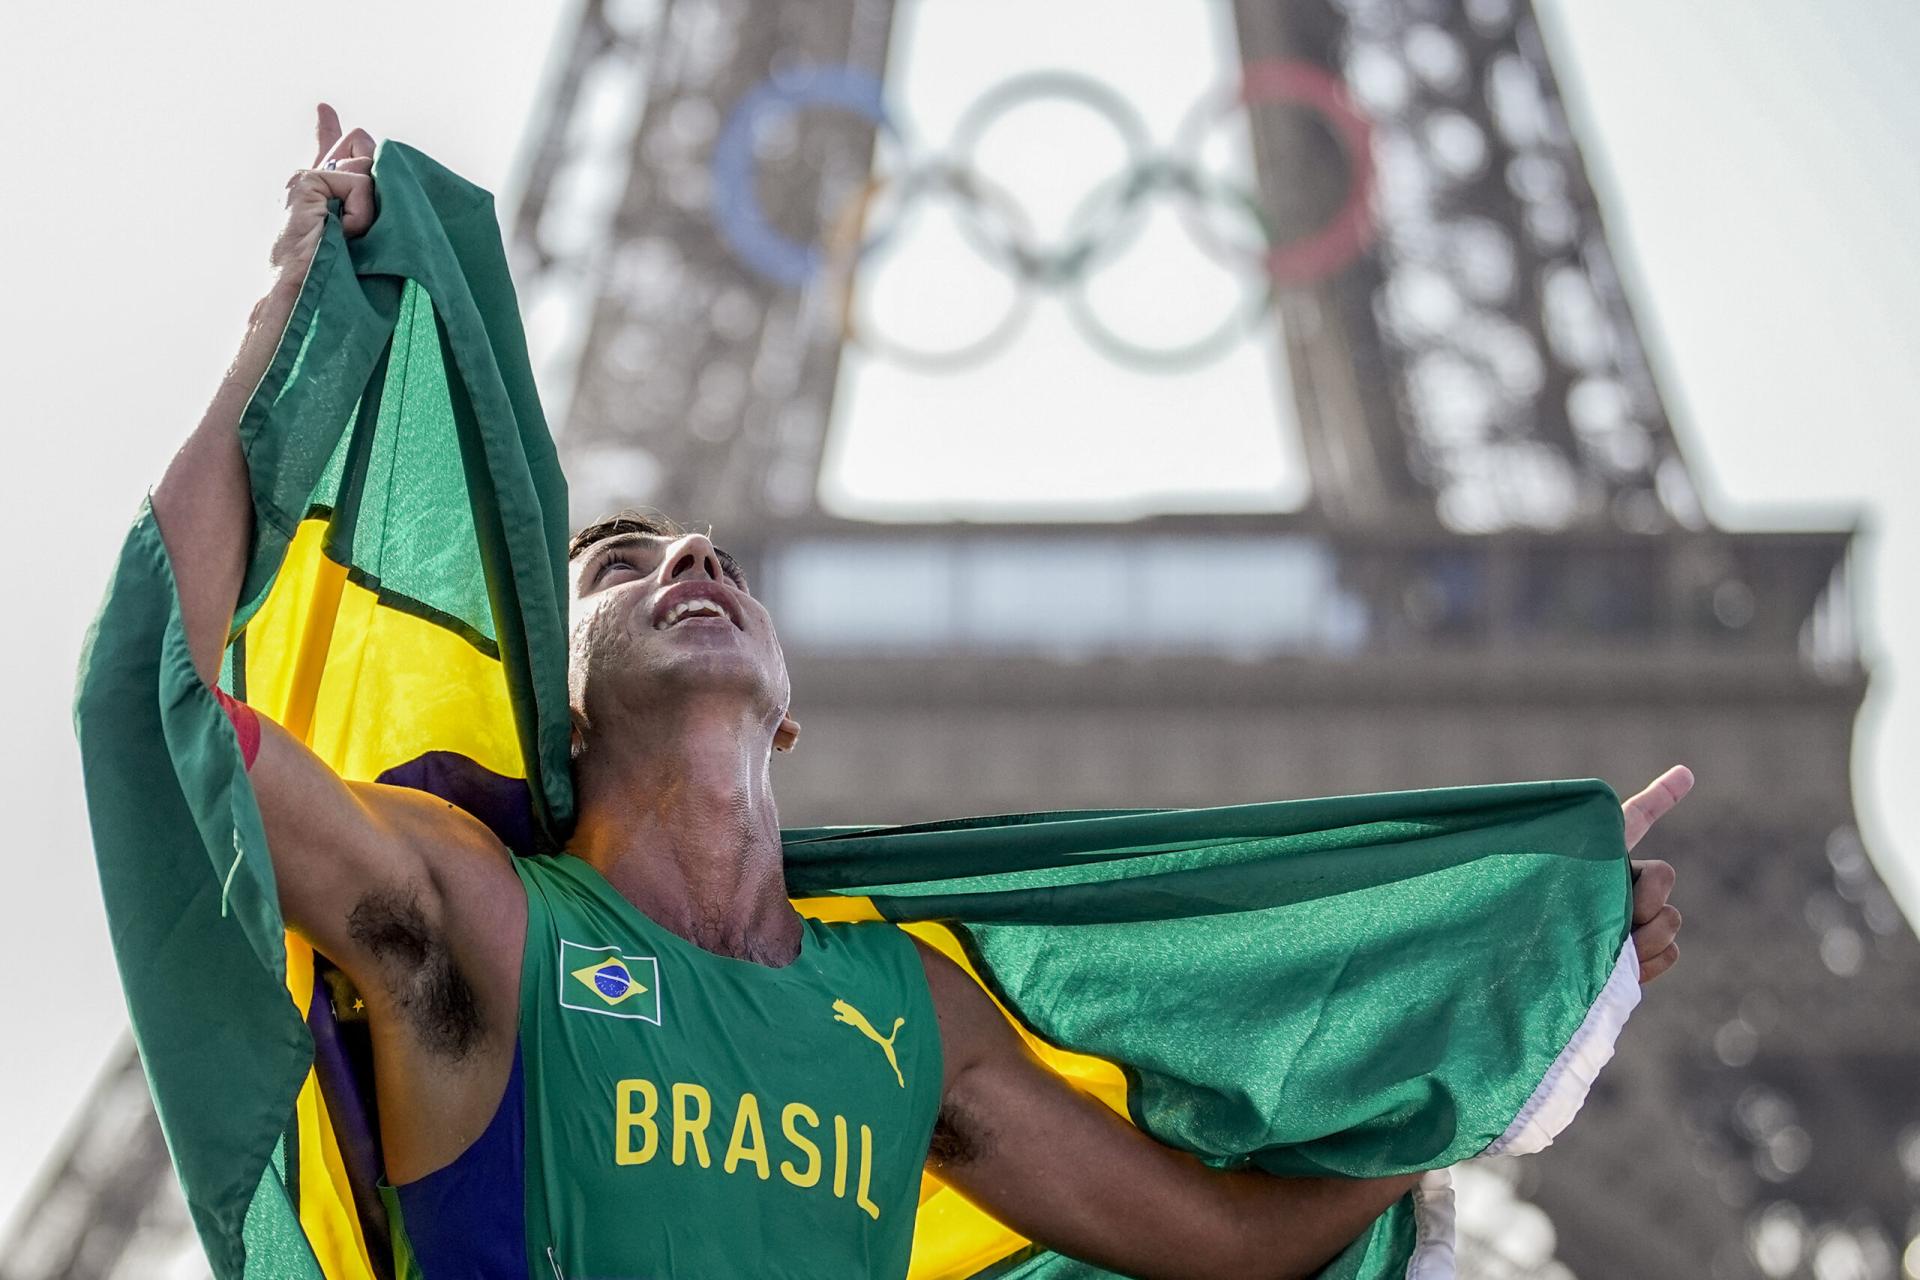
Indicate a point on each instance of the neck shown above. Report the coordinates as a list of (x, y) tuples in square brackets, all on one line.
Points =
[(682, 824)]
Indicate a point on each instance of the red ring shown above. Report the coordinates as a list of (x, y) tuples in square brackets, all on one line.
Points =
[(1351, 229)]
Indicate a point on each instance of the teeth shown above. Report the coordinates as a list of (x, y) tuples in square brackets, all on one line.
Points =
[(691, 608)]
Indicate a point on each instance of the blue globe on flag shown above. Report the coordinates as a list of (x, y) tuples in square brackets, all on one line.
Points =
[(612, 980)]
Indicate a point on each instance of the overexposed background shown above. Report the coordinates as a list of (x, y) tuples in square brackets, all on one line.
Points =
[(1755, 159)]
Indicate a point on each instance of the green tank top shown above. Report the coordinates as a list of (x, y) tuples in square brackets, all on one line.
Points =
[(689, 1114)]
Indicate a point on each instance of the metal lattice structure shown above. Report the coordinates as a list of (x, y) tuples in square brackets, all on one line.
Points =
[(1481, 365), (1504, 574), (108, 1207)]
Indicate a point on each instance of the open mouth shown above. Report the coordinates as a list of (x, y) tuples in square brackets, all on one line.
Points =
[(692, 611), (692, 607)]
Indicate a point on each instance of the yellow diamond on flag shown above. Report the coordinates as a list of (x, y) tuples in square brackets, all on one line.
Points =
[(610, 979)]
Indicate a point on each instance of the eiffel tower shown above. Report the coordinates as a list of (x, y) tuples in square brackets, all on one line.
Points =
[(1503, 573)]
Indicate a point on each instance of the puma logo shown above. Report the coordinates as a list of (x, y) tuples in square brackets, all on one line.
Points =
[(844, 1012)]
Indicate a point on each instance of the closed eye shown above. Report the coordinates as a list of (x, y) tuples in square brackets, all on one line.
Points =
[(731, 567), (611, 559)]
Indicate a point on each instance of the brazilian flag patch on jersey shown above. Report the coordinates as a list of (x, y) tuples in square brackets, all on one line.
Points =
[(602, 980)]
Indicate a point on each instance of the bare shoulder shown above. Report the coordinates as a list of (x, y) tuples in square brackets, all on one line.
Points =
[(460, 883), (460, 854), (334, 842)]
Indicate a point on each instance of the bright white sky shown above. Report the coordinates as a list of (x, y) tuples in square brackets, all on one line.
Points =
[(1756, 160)]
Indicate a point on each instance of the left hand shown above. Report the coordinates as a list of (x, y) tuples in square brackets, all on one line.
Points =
[(342, 169), (1656, 922)]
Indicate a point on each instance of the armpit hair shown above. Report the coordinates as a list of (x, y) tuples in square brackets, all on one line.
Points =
[(417, 969), (958, 1137)]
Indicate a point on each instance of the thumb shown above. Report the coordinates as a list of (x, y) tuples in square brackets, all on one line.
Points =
[(326, 132), (1652, 804)]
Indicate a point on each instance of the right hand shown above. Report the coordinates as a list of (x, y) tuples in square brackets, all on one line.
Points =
[(1656, 922), (350, 179)]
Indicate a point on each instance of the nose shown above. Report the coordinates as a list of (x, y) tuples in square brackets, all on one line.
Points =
[(692, 556)]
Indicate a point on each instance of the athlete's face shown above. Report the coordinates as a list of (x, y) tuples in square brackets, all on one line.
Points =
[(657, 616)]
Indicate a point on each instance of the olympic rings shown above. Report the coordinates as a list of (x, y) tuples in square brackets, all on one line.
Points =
[(1099, 228)]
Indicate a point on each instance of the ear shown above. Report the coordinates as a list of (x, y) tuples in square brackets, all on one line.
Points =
[(577, 736), (787, 734)]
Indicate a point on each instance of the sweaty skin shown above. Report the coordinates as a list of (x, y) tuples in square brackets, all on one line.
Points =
[(417, 902)]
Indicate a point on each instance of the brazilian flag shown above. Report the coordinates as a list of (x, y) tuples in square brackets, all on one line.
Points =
[(1361, 985)]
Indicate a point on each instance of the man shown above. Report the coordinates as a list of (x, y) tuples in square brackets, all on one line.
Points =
[(636, 1057)]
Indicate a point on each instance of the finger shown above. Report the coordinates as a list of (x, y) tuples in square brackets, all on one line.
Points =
[(1652, 885), (328, 182), (353, 164), (326, 132), (1651, 805), (354, 146), (354, 190), (1657, 934), (1651, 969)]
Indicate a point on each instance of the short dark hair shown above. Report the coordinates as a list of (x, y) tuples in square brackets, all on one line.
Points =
[(651, 523)]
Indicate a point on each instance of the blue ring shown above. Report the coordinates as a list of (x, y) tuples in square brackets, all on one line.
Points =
[(737, 214)]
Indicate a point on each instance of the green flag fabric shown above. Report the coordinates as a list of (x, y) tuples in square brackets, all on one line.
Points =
[(1360, 985)]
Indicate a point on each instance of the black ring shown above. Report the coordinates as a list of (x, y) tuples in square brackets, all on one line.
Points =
[(1042, 263)]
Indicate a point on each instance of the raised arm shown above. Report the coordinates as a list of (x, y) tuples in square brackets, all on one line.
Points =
[(322, 836), (202, 504), (1063, 1170), (375, 877), (414, 899)]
